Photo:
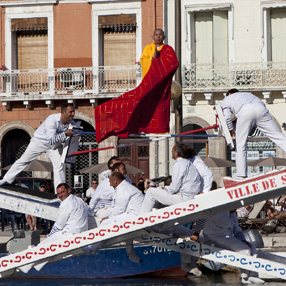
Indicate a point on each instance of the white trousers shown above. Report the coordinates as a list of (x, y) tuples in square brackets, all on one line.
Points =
[(154, 195), (102, 213), (249, 116), (233, 244), (34, 149)]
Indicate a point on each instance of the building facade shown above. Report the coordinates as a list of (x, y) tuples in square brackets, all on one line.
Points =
[(85, 53), (70, 51), (233, 44)]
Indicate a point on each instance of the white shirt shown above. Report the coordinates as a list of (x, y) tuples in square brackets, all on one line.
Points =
[(49, 132), (234, 102), (102, 197), (72, 215), (106, 174), (205, 173), (90, 192), (127, 199), (185, 178)]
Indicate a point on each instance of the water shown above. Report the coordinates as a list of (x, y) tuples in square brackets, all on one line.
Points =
[(214, 279)]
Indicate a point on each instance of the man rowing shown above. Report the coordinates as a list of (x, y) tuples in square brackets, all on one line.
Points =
[(48, 138)]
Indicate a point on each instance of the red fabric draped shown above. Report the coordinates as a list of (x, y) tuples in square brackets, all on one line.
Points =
[(144, 109)]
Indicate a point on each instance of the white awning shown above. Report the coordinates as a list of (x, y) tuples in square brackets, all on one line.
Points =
[(28, 2), (204, 7), (272, 4)]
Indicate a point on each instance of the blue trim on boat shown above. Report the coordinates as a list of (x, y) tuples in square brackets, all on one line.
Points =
[(112, 263)]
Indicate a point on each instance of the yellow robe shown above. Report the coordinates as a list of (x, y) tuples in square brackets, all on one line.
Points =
[(146, 58)]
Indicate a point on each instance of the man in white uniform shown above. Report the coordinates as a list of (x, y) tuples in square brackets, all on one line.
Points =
[(127, 199), (47, 139), (127, 203), (205, 173), (188, 262), (113, 160), (92, 189), (250, 111), (101, 202), (185, 182), (223, 231), (71, 219), (72, 215)]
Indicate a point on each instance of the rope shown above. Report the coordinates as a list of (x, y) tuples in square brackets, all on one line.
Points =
[(185, 134), (155, 135)]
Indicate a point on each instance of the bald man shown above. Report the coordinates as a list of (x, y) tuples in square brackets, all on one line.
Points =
[(152, 51)]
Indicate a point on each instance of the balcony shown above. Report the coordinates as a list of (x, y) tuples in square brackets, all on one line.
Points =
[(221, 77), (71, 83)]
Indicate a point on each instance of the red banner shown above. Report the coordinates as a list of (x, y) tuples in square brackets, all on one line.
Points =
[(144, 109)]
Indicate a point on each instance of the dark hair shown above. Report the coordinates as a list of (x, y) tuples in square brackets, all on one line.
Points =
[(117, 175), (214, 185), (192, 152), (141, 187), (116, 166), (65, 106), (110, 161), (182, 150), (231, 91), (168, 181), (63, 184)]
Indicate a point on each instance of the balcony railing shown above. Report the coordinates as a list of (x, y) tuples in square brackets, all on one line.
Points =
[(99, 81), (110, 81), (254, 76)]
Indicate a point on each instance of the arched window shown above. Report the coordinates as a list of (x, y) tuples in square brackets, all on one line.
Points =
[(200, 145), (14, 145)]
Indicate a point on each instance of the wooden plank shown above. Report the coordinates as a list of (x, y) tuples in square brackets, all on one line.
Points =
[(224, 199), (223, 126), (27, 204), (268, 264)]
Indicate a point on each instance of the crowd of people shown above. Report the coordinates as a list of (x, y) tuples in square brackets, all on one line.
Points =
[(115, 198)]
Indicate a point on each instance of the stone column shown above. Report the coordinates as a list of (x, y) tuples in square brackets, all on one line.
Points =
[(217, 149)]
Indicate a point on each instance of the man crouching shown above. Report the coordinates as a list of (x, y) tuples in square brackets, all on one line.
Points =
[(71, 219)]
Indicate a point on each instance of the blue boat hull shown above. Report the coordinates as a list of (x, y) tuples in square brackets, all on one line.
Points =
[(112, 263)]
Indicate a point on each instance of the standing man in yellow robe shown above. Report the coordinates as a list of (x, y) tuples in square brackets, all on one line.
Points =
[(152, 51), (147, 107)]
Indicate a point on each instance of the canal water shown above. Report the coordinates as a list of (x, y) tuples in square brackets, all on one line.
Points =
[(214, 279)]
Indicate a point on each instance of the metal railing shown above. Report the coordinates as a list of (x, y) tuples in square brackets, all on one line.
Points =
[(107, 80), (211, 77), (70, 81)]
